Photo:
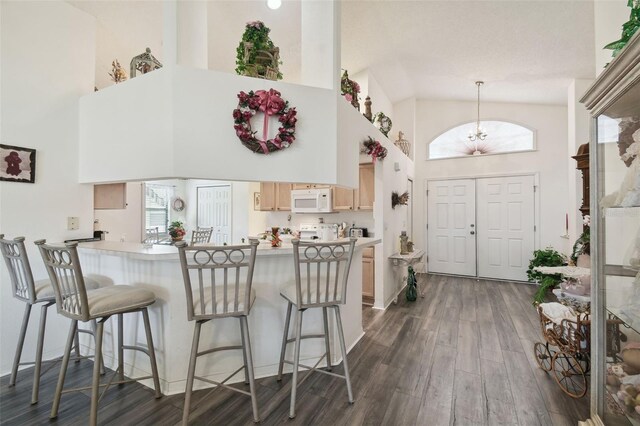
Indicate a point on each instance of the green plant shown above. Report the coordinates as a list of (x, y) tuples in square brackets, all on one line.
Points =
[(176, 229), (257, 34), (546, 257)]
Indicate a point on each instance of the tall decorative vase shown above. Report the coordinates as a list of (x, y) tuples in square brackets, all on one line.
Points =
[(275, 237)]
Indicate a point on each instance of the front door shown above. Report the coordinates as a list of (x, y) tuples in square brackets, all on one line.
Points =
[(451, 214), (505, 226), (214, 211)]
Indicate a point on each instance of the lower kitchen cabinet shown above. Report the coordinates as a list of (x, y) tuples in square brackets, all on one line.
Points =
[(368, 276)]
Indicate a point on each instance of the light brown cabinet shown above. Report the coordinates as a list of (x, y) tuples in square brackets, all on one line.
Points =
[(110, 196), (283, 196), (343, 199), (365, 194), (275, 196), (368, 276), (267, 196)]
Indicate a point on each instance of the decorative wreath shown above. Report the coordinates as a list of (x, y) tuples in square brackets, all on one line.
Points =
[(374, 149), (384, 123), (269, 103)]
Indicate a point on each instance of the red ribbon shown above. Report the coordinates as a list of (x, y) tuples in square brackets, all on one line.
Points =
[(270, 104)]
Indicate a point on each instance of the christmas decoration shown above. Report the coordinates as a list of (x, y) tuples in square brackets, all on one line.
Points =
[(269, 103), (374, 149)]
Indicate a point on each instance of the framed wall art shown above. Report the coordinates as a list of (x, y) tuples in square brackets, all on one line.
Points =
[(256, 201), (17, 164)]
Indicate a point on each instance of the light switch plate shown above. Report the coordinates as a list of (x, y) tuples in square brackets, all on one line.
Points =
[(73, 223)]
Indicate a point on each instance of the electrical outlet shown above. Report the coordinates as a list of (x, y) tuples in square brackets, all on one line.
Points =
[(73, 223)]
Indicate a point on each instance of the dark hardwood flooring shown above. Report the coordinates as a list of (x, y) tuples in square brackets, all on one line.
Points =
[(461, 356)]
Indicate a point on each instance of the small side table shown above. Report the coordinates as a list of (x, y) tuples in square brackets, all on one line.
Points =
[(406, 260)]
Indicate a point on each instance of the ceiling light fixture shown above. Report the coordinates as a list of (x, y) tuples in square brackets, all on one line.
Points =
[(274, 4), (480, 134)]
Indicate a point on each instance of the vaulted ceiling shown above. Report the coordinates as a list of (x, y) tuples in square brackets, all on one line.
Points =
[(525, 51)]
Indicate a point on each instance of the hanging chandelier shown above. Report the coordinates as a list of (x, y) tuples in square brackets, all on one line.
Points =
[(480, 134)]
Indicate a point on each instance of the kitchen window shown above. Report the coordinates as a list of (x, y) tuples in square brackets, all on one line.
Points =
[(156, 207)]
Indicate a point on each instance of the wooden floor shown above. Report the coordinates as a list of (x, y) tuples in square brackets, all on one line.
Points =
[(462, 355)]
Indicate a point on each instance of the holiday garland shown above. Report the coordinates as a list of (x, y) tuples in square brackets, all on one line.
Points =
[(269, 103)]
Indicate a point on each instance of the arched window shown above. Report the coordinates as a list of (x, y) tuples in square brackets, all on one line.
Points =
[(502, 137)]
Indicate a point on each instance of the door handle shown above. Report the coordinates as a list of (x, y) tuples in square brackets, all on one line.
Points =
[(472, 232)]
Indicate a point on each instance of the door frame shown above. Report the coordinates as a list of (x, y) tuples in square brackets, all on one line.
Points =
[(231, 236), (536, 205)]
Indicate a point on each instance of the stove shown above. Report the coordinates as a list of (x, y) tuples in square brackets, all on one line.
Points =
[(318, 231)]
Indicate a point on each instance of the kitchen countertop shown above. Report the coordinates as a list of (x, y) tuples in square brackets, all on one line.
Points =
[(169, 252)]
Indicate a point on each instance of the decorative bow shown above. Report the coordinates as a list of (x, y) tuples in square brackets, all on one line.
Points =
[(270, 104)]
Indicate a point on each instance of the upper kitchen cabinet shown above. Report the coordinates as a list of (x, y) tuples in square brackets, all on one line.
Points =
[(365, 195), (110, 196), (343, 199), (283, 196), (275, 196), (267, 196)]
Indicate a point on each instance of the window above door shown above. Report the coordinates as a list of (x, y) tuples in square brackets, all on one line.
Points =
[(502, 137)]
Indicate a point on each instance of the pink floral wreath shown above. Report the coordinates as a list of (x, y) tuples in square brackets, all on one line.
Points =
[(270, 103)]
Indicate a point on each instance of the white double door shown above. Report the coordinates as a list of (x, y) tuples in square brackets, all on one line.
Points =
[(214, 211), (481, 227)]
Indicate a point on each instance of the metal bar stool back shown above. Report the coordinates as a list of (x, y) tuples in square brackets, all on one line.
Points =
[(31, 292), (152, 235), (321, 277), (201, 236), (74, 301), (218, 284)]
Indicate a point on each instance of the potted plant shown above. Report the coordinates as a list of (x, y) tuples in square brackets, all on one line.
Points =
[(546, 257), (177, 231), (580, 254)]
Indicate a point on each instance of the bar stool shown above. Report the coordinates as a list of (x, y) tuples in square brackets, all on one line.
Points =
[(202, 267), (31, 292), (75, 302), (320, 290), (201, 236)]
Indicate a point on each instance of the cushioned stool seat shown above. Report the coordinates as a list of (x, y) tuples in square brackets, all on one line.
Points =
[(117, 298), (44, 290)]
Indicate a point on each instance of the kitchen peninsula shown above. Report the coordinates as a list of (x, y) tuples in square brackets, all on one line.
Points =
[(158, 269)]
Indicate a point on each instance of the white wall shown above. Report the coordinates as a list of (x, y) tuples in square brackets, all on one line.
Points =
[(47, 64), (608, 19), (380, 102), (404, 120), (550, 159), (578, 125)]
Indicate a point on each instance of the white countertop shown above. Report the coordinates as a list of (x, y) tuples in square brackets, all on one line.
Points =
[(168, 252)]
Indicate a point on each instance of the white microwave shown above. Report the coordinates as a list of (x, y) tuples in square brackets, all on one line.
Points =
[(316, 200)]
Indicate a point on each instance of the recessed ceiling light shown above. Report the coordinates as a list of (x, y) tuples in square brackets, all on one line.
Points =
[(274, 4)]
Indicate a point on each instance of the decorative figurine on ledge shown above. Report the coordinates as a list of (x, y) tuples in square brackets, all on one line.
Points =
[(403, 144), (256, 55), (117, 74), (367, 109), (144, 63), (404, 239)]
